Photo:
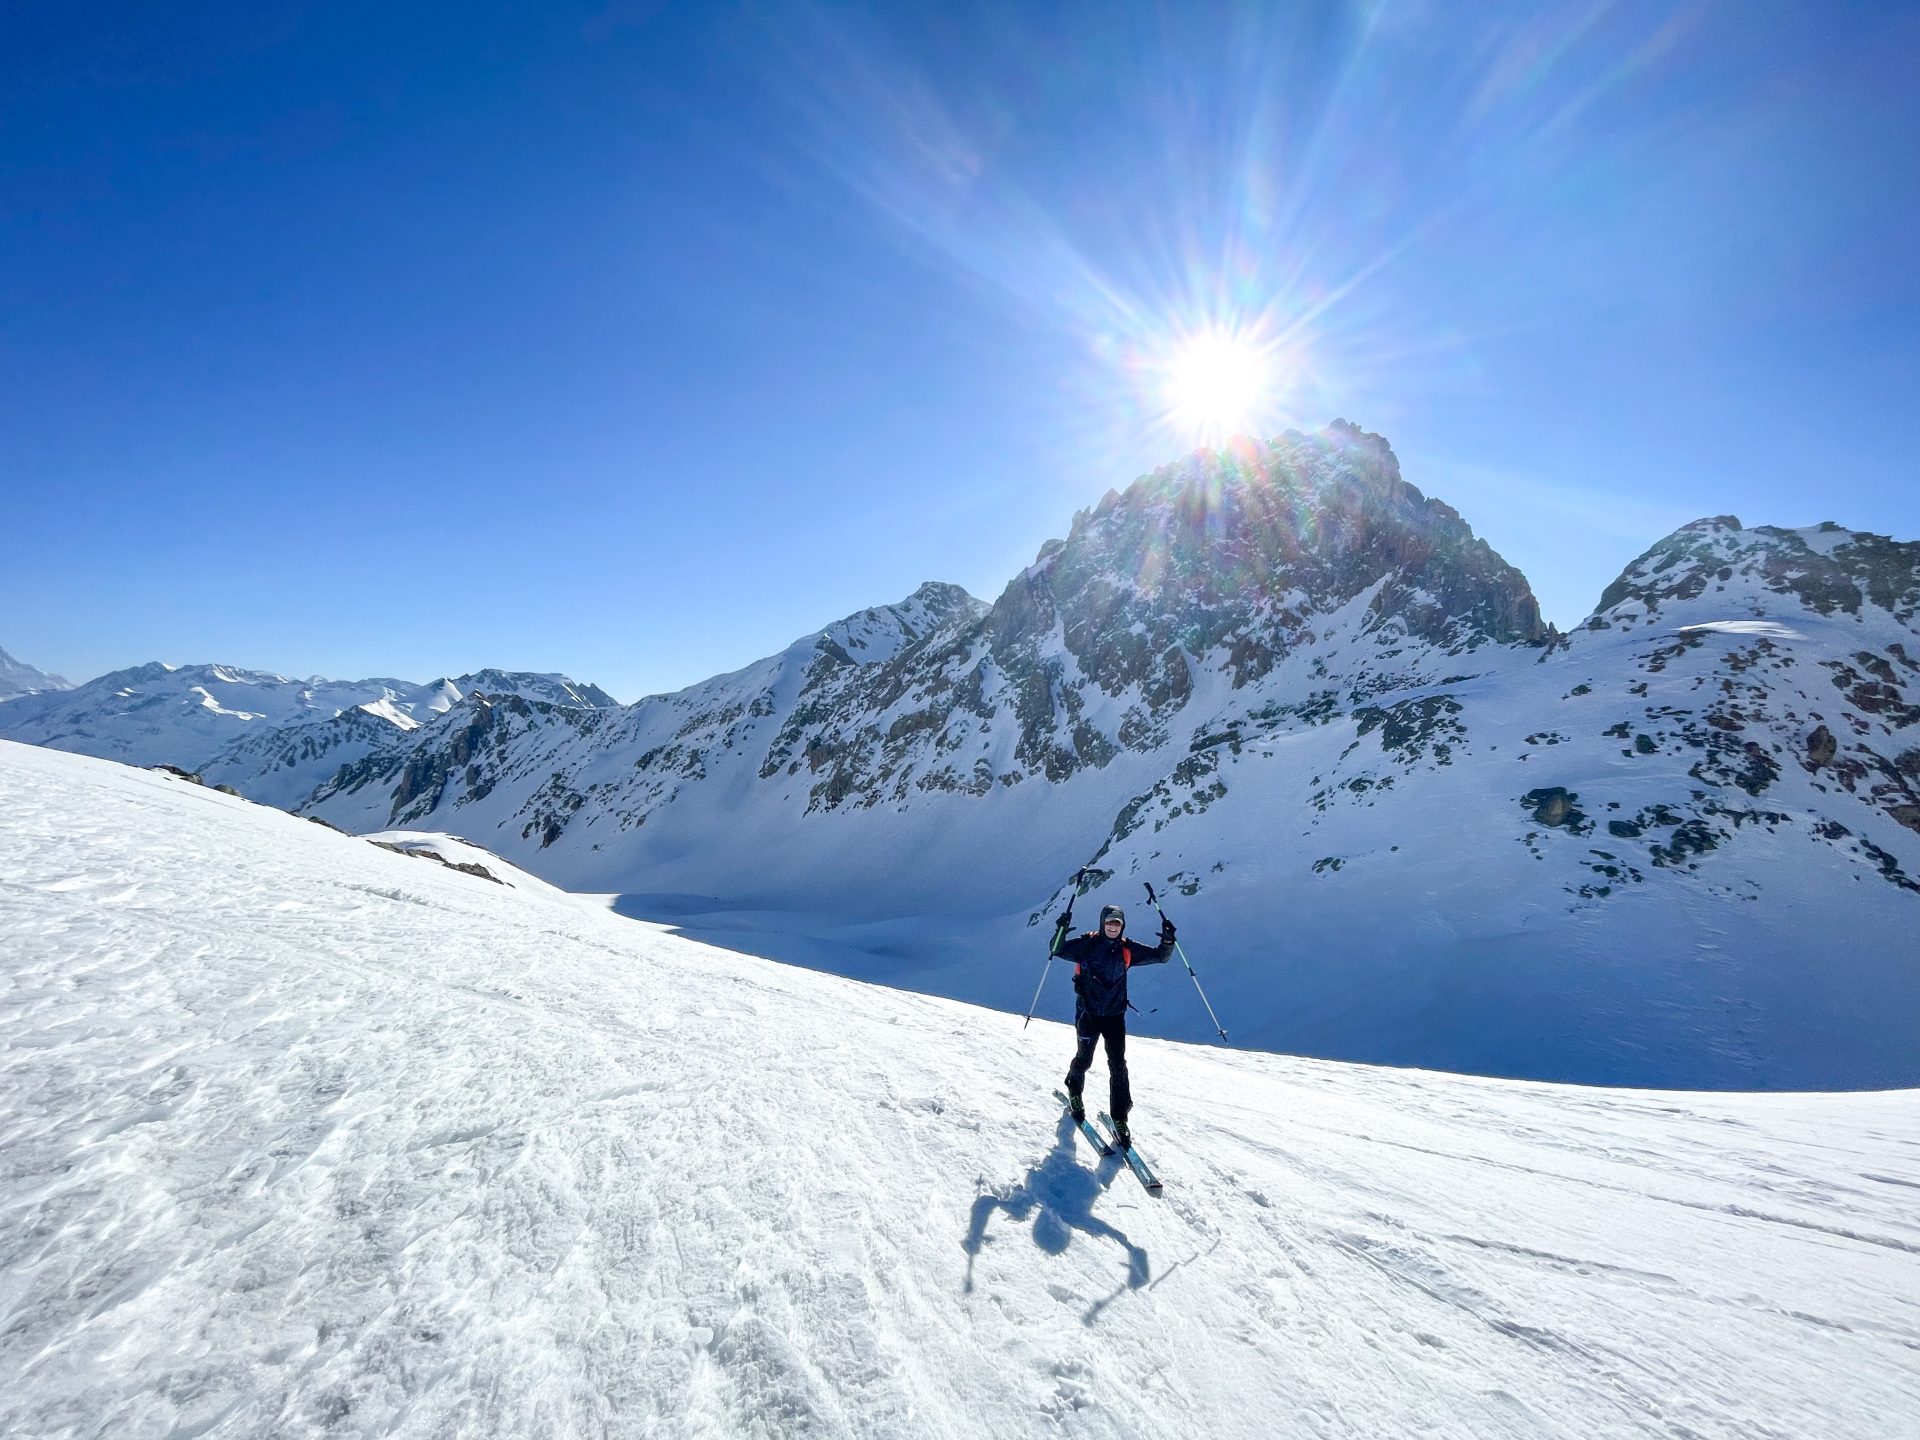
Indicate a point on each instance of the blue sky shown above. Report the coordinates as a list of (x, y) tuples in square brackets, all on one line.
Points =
[(636, 340)]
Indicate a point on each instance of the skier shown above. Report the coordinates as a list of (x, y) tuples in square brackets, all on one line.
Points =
[(1101, 959)]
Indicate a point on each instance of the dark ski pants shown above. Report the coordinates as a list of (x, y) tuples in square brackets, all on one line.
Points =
[(1113, 1030)]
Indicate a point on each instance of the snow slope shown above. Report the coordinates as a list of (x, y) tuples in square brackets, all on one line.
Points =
[(302, 1137)]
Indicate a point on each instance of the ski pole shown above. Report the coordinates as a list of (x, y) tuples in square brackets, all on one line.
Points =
[(1059, 934), (1154, 900)]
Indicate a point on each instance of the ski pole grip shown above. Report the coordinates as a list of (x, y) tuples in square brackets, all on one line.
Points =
[(1073, 894)]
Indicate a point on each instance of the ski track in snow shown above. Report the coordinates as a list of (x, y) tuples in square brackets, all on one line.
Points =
[(302, 1137)]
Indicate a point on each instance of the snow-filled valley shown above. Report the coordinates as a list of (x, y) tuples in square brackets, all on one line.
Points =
[(302, 1136)]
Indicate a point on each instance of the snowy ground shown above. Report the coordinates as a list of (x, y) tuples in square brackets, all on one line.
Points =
[(300, 1136)]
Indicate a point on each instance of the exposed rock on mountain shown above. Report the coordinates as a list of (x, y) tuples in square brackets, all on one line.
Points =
[(667, 741), (1826, 568), (282, 764), (1758, 598), (1193, 586)]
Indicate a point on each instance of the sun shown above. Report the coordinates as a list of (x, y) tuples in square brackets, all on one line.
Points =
[(1217, 384)]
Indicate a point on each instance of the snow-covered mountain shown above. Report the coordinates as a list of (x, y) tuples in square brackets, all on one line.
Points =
[(549, 689), (1398, 819), (1222, 590), (281, 764), (302, 1137), (186, 715), (18, 678)]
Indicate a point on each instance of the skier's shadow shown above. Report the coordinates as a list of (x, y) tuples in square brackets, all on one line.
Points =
[(1058, 1193)]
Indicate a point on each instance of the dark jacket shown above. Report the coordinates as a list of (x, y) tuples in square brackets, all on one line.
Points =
[(1100, 969)]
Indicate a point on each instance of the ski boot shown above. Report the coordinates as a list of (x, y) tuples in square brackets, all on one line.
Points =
[(1077, 1108), (1122, 1137)]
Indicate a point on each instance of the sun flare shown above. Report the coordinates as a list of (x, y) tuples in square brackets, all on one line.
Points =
[(1217, 384)]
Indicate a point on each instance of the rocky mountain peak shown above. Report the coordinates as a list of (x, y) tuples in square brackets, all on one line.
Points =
[(883, 631), (938, 594), (1249, 541), (934, 604), (1826, 569)]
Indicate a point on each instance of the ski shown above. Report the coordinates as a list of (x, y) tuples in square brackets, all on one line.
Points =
[(1139, 1166), (1086, 1126)]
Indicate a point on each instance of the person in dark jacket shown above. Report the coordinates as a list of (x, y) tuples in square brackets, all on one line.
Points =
[(1101, 959)]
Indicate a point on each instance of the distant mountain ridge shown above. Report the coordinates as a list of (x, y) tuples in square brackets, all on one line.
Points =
[(1326, 722), (19, 678), (186, 715)]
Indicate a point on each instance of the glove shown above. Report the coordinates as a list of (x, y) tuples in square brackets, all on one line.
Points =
[(1166, 932), (1065, 922)]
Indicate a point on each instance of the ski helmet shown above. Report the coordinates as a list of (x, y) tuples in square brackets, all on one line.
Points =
[(1112, 912)]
